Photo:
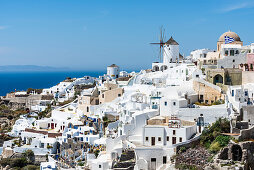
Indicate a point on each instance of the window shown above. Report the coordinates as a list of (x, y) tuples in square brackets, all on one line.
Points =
[(232, 52), (164, 159), (226, 52), (99, 166), (174, 103), (147, 138), (87, 109), (197, 76), (236, 52), (166, 103), (119, 95), (174, 132), (167, 138), (180, 139), (102, 95), (246, 93), (159, 138), (204, 55)]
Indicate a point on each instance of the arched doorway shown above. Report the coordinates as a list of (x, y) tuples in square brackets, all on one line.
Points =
[(236, 153), (164, 68), (156, 68), (218, 79)]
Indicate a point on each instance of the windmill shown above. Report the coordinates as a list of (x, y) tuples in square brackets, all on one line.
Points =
[(162, 38)]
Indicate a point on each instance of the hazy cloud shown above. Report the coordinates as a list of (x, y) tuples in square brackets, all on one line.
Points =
[(238, 6), (2, 27)]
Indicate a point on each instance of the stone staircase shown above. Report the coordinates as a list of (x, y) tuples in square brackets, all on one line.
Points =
[(127, 161)]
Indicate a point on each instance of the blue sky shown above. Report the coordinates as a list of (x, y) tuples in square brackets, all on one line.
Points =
[(89, 35)]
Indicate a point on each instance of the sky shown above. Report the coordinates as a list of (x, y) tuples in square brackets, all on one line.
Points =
[(90, 35)]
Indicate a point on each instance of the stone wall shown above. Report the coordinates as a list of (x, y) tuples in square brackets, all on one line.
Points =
[(246, 134), (230, 76), (247, 77), (238, 155), (248, 114), (207, 94)]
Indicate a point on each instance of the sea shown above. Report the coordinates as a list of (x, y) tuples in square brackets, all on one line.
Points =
[(9, 81)]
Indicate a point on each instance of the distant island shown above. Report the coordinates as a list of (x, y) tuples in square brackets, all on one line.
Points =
[(27, 68)]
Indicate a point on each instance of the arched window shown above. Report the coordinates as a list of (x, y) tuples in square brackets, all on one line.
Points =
[(232, 52), (156, 68)]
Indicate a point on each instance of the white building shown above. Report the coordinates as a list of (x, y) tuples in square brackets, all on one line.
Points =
[(113, 71), (166, 131), (170, 56), (239, 96), (160, 136), (198, 54), (232, 56)]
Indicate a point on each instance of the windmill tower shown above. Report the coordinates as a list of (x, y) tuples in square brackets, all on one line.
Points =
[(171, 51), (162, 38), (168, 50)]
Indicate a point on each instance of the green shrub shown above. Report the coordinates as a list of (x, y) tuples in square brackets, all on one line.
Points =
[(81, 164), (5, 161), (18, 162), (207, 145), (223, 140), (209, 135), (182, 149), (184, 166), (215, 147), (105, 118), (217, 102), (31, 167), (210, 159)]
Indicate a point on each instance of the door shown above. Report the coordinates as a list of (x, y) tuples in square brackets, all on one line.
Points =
[(153, 141), (173, 140), (153, 163), (52, 126), (164, 159)]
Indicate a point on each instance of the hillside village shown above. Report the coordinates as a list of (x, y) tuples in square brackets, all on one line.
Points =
[(192, 112)]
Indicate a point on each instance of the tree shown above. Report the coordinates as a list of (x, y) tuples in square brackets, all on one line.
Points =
[(29, 154)]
